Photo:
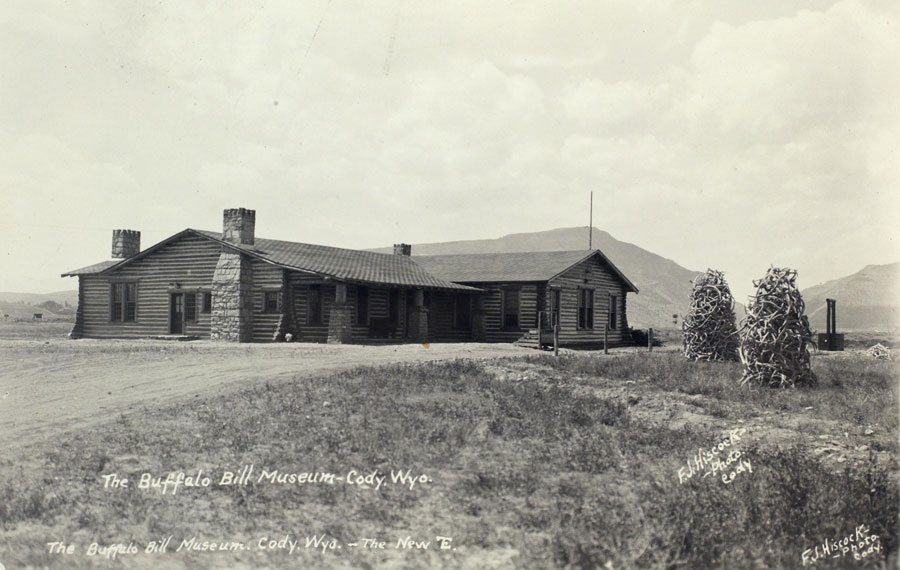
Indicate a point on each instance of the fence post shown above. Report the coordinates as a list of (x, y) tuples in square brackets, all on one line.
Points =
[(555, 339), (650, 340)]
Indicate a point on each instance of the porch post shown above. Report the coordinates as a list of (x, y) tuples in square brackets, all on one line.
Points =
[(339, 325), (418, 319)]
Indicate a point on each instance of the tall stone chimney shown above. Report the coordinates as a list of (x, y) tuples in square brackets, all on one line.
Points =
[(231, 318), (239, 226), (402, 249), (125, 243)]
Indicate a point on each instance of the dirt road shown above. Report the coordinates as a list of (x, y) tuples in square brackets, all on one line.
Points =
[(49, 387)]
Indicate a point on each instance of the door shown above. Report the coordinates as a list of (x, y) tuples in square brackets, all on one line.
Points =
[(554, 307), (176, 313), (410, 307)]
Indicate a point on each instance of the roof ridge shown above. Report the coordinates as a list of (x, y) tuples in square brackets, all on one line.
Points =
[(579, 251), (302, 243)]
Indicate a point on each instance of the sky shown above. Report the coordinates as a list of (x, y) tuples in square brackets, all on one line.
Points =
[(728, 134)]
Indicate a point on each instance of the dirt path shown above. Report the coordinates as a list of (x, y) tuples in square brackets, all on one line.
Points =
[(50, 387)]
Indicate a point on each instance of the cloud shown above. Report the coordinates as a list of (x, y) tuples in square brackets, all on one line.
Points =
[(714, 134), (780, 79)]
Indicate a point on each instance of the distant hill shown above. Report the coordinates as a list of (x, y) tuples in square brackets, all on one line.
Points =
[(58, 305), (664, 285), (867, 300), (60, 297)]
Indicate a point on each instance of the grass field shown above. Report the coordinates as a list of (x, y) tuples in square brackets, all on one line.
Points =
[(34, 330), (531, 462)]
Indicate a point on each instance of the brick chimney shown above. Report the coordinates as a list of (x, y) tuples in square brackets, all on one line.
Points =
[(125, 243), (239, 226), (402, 249)]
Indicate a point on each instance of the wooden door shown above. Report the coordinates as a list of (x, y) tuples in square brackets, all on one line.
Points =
[(554, 306), (176, 314)]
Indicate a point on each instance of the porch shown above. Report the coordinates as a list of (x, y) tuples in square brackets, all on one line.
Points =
[(328, 311)]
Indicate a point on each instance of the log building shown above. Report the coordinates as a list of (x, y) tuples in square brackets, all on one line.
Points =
[(232, 286)]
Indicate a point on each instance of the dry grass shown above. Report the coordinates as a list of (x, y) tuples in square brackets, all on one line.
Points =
[(539, 473), (34, 330), (854, 389)]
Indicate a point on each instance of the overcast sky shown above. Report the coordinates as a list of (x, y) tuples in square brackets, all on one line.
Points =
[(733, 135)]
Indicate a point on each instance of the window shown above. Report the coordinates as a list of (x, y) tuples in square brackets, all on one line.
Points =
[(510, 308), (362, 305), (122, 302), (130, 301), (554, 306), (394, 306), (270, 301), (190, 307), (613, 311), (462, 312), (314, 305), (207, 302), (116, 294), (585, 308)]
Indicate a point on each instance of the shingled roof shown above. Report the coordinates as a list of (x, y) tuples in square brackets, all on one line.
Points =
[(344, 264), (428, 271), (91, 269), (338, 263), (510, 267)]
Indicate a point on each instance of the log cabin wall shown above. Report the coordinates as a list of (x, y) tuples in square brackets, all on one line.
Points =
[(593, 274), (442, 325), (189, 261), (266, 278), (494, 330), (307, 330), (78, 327)]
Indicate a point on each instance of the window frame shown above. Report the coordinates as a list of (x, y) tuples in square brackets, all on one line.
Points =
[(504, 293), (206, 304), (586, 311), (267, 295), (188, 317), (124, 285)]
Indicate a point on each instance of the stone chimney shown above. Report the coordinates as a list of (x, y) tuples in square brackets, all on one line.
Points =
[(125, 243), (239, 225), (402, 249), (231, 317)]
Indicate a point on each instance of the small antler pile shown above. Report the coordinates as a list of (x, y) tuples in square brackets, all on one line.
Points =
[(776, 333), (709, 329), (879, 351)]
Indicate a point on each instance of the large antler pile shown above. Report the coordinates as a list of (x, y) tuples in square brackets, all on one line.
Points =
[(775, 333), (709, 329)]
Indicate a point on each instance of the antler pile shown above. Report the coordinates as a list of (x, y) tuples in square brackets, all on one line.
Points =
[(776, 333), (709, 329), (879, 351)]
